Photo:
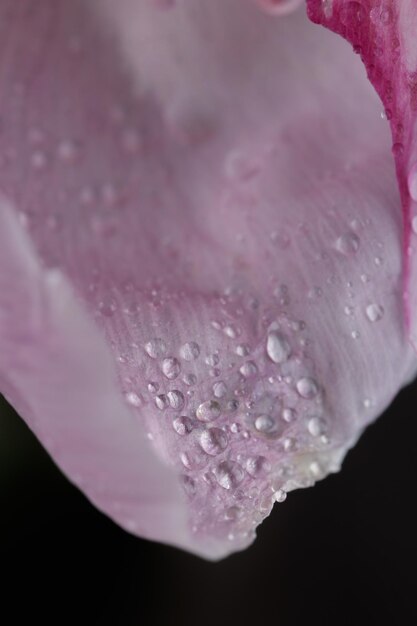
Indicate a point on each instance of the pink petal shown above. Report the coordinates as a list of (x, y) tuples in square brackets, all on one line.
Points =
[(216, 260), (383, 32)]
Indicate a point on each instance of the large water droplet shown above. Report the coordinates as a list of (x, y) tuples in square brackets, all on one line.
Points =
[(277, 347), (171, 367), (213, 441), (208, 411), (374, 312)]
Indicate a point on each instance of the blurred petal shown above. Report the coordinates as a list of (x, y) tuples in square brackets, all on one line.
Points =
[(227, 215), (384, 32)]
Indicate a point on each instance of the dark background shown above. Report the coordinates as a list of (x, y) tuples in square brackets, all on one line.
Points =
[(343, 553)]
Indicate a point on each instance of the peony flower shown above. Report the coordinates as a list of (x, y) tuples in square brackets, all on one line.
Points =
[(207, 260)]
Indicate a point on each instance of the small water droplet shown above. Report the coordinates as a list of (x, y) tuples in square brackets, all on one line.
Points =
[(189, 379), (355, 334), (374, 312), (208, 411), (190, 351), (265, 424), (133, 399), (316, 426), (155, 348), (414, 224), (347, 244), (280, 495), (171, 367), (289, 415), (176, 399), (277, 347), (161, 402), (182, 425), (242, 350), (219, 389), (248, 369), (257, 466), (212, 360), (213, 441), (231, 331), (153, 387), (307, 388), (229, 474)]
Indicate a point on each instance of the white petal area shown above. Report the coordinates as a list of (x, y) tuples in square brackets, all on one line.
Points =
[(57, 370)]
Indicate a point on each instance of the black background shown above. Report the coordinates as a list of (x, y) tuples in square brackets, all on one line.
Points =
[(342, 553)]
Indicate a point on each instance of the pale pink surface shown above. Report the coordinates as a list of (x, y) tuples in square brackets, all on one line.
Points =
[(204, 173)]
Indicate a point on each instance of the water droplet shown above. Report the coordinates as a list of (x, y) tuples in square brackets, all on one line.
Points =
[(153, 387), (231, 331), (182, 425), (212, 360), (208, 411), (316, 426), (277, 347), (257, 466), (190, 351), (355, 334), (349, 310), (289, 444), (414, 224), (155, 348), (265, 424), (347, 244), (374, 312), (280, 495), (171, 367), (248, 369), (229, 474), (213, 441), (219, 389), (189, 379), (176, 399), (307, 388), (161, 402), (133, 399), (289, 415), (242, 350)]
